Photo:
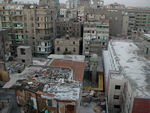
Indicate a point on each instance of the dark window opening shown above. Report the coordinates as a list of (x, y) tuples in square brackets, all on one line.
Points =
[(23, 61), (66, 49), (49, 102), (116, 96), (117, 87), (58, 49), (22, 51), (117, 106)]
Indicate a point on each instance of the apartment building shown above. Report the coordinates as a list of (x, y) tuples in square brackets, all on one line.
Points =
[(126, 75), (80, 14), (50, 3), (12, 18), (29, 25), (68, 45), (118, 19), (40, 29), (64, 27), (138, 19), (95, 37), (4, 45)]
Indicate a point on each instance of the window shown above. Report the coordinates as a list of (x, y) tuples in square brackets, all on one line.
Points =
[(39, 49), (74, 49), (49, 102), (58, 49), (38, 25), (23, 61), (22, 51), (46, 49), (116, 96), (73, 42), (38, 19), (117, 106), (117, 87), (45, 44), (146, 50), (66, 49)]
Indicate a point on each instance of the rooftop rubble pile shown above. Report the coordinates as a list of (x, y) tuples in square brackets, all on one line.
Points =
[(57, 81), (94, 100), (14, 67)]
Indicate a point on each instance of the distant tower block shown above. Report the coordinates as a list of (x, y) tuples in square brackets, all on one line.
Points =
[(7, 1), (24, 55), (50, 3), (98, 3)]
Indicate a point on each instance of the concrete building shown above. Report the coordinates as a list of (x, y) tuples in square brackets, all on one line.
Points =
[(138, 19), (24, 55), (115, 6), (85, 3), (57, 85), (73, 4), (98, 3), (80, 14), (63, 12), (95, 37), (30, 25), (40, 29), (126, 76), (64, 27), (4, 45), (115, 17), (50, 3), (68, 45), (71, 15), (145, 39)]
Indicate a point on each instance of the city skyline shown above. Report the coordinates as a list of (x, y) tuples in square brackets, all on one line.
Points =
[(143, 3)]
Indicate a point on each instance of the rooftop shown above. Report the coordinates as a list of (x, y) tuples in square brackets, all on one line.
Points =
[(24, 47), (128, 60), (78, 67), (78, 58), (56, 82), (147, 35)]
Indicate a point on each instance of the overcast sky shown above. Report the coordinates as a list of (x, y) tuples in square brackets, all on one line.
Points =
[(126, 2)]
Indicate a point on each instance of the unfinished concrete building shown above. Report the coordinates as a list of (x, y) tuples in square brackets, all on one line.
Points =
[(68, 45), (57, 85), (24, 55)]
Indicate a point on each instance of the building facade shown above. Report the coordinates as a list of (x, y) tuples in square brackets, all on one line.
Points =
[(4, 45), (29, 25), (126, 87), (68, 45), (95, 37), (138, 19), (64, 27)]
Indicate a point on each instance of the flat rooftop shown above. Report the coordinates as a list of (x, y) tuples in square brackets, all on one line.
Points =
[(147, 35), (24, 47), (56, 82), (128, 59), (78, 58)]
